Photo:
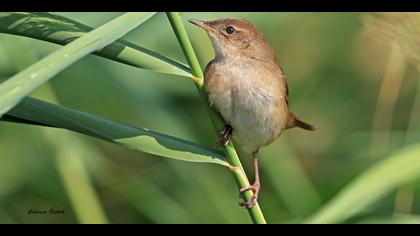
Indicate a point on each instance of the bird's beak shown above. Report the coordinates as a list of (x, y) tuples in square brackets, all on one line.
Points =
[(202, 24)]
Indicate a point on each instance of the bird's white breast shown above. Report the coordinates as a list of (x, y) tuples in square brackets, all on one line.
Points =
[(249, 103)]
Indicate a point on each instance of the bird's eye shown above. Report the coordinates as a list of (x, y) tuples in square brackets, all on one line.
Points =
[(230, 30)]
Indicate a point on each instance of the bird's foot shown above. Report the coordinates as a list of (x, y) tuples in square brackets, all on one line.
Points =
[(255, 188), (225, 135)]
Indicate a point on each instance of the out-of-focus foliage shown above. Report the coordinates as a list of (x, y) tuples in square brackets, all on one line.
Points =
[(397, 27), (335, 68)]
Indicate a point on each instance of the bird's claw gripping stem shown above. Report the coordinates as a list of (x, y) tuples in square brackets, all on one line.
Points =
[(225, 135), (255, 188)]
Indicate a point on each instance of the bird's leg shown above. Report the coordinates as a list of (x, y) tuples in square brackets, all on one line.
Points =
[(225, 135), (255, 187)]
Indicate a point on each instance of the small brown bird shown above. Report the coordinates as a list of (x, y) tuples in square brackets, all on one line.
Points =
[(247, 86)]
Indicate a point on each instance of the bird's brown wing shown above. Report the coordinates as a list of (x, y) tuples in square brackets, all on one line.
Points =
[(292, 120), (285, 85), (208, 71), (208, 75), (287, 92)]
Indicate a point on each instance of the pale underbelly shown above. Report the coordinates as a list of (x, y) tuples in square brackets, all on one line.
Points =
[(256, 119)]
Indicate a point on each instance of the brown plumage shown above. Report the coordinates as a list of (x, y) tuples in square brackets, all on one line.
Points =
[(246, 85)]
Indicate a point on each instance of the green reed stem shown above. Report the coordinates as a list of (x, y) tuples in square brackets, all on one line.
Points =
[(231, 155)]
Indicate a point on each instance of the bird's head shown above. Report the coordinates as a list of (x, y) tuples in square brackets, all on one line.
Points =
[(233, 37)]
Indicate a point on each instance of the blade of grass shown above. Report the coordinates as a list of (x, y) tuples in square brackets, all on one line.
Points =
[(139, 139), (69, 159), (77, 184), (387, 100), (394, 219), (198, 76), (396, 170), (384, 112), (143, 196), (405, 197), (77, 160), (414, 113), (61, 30), (300, 198), (18, 86), (22, 121)]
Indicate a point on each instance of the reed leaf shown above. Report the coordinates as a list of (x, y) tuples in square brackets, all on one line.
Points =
[(37, 112), (396, 170), (18, 86), (61, 30)]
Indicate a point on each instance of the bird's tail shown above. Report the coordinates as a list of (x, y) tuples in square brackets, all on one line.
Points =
[(293, 121)]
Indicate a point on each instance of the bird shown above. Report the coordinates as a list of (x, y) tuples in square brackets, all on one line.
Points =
[(247, 87)]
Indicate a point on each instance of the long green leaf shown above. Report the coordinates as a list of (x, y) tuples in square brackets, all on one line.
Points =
[(398, 169), (44, 113), (17, 87), (394, 219), (61, 30)]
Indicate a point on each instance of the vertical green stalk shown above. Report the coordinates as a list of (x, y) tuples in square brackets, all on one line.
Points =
[(231, 155), (414, 113), (69, 161), (77, 183), (387, 100), (404, 198), (69, 155)]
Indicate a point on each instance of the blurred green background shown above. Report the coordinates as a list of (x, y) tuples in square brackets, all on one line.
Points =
[(346, 75)]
